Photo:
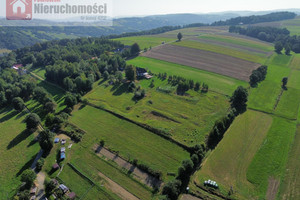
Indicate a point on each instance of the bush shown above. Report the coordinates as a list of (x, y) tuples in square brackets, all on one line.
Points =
[(32, 121), (28, 176), (40, 164), (172, 189)]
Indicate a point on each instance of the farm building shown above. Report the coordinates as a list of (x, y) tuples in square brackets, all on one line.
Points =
[(142, 73), (63, 188), (56, 140), (62, 156)]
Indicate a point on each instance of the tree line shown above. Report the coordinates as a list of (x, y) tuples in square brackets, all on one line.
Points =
[(254, 19)]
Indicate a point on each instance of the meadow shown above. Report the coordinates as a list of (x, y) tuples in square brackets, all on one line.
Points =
[(131, 141), (290, 183), (187, 119), (221, 84), (145, 41), (228, 163), (17, 149)]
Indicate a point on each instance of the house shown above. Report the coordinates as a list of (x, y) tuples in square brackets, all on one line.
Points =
[(63, 188), (142, 73), (17, 66)]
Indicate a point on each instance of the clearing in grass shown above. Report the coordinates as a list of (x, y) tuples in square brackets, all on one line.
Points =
[(130, 140), (221, 84), (228, 163)]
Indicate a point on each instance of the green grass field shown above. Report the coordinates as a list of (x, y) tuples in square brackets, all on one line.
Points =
[(270, 160), (187, 119), (253, 57), (289, 104), (216, 82), (40, 72), (240, 41), (294, 79), (295, 64), (228, 163), (17, 150), (145, 41), (131, 141), (290, 184)]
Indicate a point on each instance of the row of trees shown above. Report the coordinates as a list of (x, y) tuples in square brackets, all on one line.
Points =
[(280, 36), (254, 19), (258, 75)]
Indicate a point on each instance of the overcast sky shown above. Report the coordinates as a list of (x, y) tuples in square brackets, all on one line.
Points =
[(152, 7)]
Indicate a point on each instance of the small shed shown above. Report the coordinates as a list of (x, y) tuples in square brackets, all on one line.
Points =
[(63, 149), (56, 140), (62, 156), (63, 141), (55, 166)]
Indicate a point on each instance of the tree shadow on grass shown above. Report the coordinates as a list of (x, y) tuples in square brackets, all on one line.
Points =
[(8, 116), (21, 114), (22, 136), (120, 90), (27, 165)]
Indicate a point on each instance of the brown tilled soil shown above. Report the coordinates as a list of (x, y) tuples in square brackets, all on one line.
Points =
[(205, 60), (189, 197), (227, 44), (139, 174), (117, 189), (272, 189)]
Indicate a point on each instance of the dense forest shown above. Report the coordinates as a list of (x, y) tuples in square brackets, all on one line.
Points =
[(254, 19)]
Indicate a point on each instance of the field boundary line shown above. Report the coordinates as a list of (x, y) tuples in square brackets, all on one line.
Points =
[(144, 126), (273, 114)]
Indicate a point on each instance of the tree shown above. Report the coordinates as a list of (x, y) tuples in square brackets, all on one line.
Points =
[(135, 49), (50, 107), (46, 140), (28, 176), (179, 36), (105, 75), (49, 186), (130, 73), (287, 50), (32, 121), (39, 164), (3, 99), (40, 94), (24, 195), (239, 99), (284, 82), (278, 47), (197, 86), (70, 100), (18, 103), (172, 189)]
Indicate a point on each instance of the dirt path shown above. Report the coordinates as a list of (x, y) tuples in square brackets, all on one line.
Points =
[(189, 197), (139, 174), (272, 189), (40, 185), (117, 189)]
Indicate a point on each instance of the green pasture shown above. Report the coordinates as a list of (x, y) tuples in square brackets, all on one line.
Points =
[(187, 119), (270, 160), (289, 104), (131, 141), (216, 82), (17, 149), (229, 162)]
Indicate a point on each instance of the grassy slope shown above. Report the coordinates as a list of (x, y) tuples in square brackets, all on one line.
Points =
[(289, 188), (270, 160), (218, 83), (145, 41), (264, 97), (223, 50), (193, 117), (17, 150), (229, 162), (130, 140), (289, 103), (240, 41)]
